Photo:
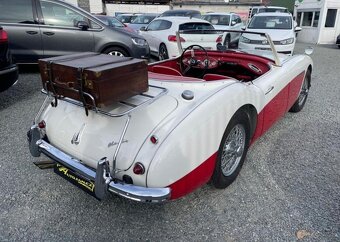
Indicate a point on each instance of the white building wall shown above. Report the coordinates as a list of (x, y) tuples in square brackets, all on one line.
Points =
[(111, 9), (320, 34), (74, 2), (328, 35), (96, 6)]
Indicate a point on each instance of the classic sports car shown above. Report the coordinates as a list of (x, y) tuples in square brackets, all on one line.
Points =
[(196, 122)]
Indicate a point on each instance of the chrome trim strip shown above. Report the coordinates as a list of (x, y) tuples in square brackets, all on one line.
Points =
[(132, 192)]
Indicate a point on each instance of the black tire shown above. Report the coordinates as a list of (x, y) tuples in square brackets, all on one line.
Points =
[(302, 98), (339, 46), (227, 41), (116, 51), (223, 177), (163, 52)]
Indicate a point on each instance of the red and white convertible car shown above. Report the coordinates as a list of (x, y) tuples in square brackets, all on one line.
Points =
[(202, 112)]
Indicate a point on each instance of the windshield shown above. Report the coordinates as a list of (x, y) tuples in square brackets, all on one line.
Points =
[(270, 22), (195, 26), (257, 43), (217, 19), (143, 19), (111, 21)]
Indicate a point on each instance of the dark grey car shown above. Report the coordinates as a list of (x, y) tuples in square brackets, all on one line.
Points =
[(44, 28)]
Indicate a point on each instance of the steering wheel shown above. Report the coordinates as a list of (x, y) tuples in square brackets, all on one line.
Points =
[(193, 62)]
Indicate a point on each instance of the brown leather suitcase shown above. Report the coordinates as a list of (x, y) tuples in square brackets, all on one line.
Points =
[(106, 78)]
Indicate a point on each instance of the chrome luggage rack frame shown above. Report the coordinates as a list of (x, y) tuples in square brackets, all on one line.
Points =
[(103, 166), (93, 107)]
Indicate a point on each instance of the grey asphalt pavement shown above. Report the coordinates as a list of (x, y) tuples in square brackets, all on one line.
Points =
[(288, 189)]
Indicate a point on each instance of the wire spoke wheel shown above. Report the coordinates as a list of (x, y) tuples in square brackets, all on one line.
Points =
[(233, 150)]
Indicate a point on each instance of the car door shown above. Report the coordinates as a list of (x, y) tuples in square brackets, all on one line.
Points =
[(151, 35), (59, 31), (276, 95), (19, 20), (235, 24)]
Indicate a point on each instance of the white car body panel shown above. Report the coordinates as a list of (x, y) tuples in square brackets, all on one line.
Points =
[(238, 26), (156, 38)]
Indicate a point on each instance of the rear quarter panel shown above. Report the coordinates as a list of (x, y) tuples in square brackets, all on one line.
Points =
[(197, 138)]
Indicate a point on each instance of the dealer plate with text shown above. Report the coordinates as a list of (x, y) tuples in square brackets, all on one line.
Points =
[(85, 184)]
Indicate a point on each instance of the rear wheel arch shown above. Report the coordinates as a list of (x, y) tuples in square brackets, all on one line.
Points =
[(310, 69), (252, 113)]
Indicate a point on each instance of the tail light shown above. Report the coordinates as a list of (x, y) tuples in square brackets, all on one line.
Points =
[(138, 169), (3, 36), (219, 39), (173, 38), (42, 124)]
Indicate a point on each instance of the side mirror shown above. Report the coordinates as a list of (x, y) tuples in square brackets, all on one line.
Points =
[(298, 29), (233, 23), (82, 25), (143, 28), (243, 28)]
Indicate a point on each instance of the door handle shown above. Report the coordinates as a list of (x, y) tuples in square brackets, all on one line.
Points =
[(269, 90), (32, 32), (48, 33)]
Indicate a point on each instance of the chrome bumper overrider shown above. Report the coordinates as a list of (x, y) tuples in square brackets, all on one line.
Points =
[(102, 178)]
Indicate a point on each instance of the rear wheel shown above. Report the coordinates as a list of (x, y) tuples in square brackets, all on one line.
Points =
[(232, 150), (300, 102), (163, 52), (116, 51)]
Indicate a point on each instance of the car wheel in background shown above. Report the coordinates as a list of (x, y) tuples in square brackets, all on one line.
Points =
[(300, 102), (163, 52), (232, 151), (116, 51)]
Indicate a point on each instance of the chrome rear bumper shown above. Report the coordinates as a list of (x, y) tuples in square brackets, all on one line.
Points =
[(101, 177)]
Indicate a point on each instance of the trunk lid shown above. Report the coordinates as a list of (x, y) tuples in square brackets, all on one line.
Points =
[(90, 138)]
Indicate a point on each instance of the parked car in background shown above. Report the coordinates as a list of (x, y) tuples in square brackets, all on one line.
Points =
[(226, 21), (182, 13), (142, 20), (338, 41), (267, 9), (45, 28), (8, 70), (280, 27), (161, 35), (114, 22), (127, 18)]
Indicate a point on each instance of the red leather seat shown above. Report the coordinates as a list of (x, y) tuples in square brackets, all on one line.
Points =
[(214, 77), (166, 70)]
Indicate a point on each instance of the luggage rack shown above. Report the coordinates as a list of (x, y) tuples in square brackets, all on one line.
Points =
[(148, 99)]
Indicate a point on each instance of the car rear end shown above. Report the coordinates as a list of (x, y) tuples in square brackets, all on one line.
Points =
[(195, 33), (8, 70)]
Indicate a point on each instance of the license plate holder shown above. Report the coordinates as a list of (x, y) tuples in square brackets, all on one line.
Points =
[(78, 180)]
